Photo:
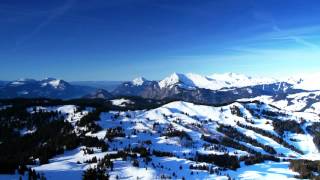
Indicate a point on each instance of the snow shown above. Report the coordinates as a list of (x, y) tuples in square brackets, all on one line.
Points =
[(181, 116), (121, 102), (298, 102), (305, 143), (27, 131), (314, 108), (138, 81), (176, 78), (213, 82), (137, 173), (268, 170), (68, 165), (17, 83), (21, 81), (55, 83), (240, 80), (306, 81), (234, 80), (69, 111), (65, 109)]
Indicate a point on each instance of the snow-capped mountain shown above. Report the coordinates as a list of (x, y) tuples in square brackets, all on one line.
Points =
[(231, 80), (46, 88), (54, 83), (139, 81), (181, 80), (306, 81), (213, 82), (185, 126), (217, 88)]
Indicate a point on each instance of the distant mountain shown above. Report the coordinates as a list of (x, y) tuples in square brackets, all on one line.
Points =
[(138, 87), (217, 88), (213, 82), (99, 94), (309, 82), (48, 88), (107, 85)]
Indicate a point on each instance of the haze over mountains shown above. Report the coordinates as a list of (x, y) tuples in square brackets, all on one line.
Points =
[(107, 85)]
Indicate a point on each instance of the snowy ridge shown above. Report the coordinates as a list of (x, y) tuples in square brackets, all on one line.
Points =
[(306, 81), (55, 83), (138, 81), (177, 79), (305, 102), (213, 82), (232, 80)]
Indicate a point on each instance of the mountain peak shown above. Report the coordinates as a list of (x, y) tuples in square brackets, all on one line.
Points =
[(53, 82), (212, 82), (176, 79), (138, 81)]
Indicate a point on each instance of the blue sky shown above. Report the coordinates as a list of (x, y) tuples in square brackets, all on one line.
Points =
[(122, 39)]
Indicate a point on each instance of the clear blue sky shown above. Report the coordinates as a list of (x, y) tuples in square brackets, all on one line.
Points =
[(122, 39)]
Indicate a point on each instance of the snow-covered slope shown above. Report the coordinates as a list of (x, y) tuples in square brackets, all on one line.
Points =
[(54, 83), (178, 129), (213, 82), (309, 82), (139, 81), (298, 102), (216, 81)]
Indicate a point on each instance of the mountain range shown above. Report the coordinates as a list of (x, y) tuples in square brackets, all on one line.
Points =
[(186, 126), (48, 88), (212, 89)]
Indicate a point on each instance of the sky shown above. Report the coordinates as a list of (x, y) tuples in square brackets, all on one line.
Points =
[(124, 39)]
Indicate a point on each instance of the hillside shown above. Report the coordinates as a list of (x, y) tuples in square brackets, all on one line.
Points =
[(179, 140)]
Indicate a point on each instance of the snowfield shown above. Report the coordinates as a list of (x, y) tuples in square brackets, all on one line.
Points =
[(147, 128), (214, 81), (232, 80), (121, 102), (264, 171)]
